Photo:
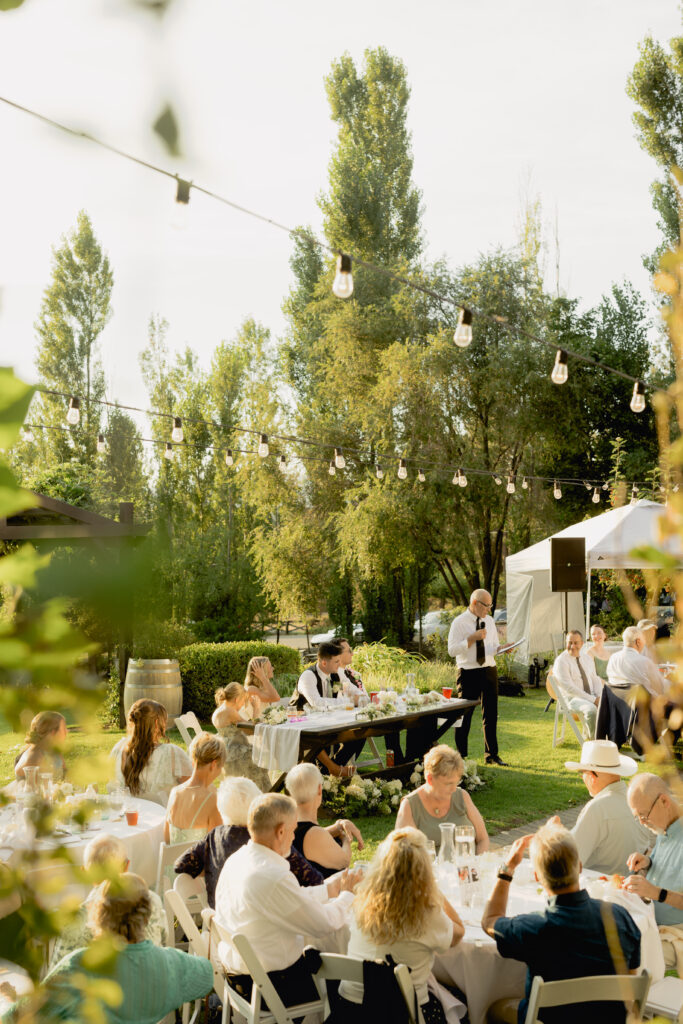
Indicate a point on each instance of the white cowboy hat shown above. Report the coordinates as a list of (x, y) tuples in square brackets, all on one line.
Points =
[(603, 756)]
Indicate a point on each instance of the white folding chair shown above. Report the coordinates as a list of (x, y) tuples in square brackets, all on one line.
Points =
[(192, 892), (186, 722), (405, 983), (620, 988), (562, 712), (197, 944), (168, 855), (665, 999)]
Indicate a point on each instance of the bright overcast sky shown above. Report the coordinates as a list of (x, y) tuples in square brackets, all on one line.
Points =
[(500, 91)]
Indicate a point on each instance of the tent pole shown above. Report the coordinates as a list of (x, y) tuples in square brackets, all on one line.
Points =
[(588, 604)]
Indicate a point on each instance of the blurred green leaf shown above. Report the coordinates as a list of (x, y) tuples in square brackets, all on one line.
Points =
[(13, 498), (15, 398), (657, 559), (20, 568), (166, 127), (10, 5)]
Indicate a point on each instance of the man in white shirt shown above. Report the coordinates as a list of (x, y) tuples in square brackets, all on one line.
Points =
[(258, 896), (629, 667), (581, 686), (351, 683), (606, 832), (473, 642)]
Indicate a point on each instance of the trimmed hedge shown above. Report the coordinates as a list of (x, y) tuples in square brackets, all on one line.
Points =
[(205, 667)]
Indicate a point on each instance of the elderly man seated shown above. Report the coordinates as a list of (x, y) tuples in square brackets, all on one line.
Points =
[(606, 832), (653, 805), (326, 849), (630, 668), (581, 686), (259, 896), (568, 939)]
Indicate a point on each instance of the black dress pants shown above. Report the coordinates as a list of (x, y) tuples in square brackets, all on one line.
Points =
[(479, 684)]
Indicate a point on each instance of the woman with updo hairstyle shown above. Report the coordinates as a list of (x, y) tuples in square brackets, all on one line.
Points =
[(192, 810), (153, 980), (42, 745), (258, 680), (146, 765), (233, 705), (441, 799), (398, 910)]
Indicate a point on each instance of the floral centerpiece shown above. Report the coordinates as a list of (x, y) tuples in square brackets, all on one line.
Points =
[(273, 714), (371, 711), (432, 697)]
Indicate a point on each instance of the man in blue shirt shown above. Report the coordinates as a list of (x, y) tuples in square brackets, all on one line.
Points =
[(574, 937), (652, 804)]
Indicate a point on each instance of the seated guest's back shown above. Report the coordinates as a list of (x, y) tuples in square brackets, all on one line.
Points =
[(208, 856), (574, 937), (629, 667), (235, 705), (192, 810), (153, 981), (42, 746), (145, 765), (326, 849)]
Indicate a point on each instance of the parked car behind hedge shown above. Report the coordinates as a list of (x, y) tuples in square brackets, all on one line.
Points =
[(205, 667)]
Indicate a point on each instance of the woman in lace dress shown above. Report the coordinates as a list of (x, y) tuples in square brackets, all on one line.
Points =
[(146, 766), (235, 705), (192, 810)]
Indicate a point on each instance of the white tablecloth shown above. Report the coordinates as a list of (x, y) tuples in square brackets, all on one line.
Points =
[(141, 840)]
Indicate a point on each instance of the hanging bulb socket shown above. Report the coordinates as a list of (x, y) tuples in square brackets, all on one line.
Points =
[(332, 470), (525, 484), (557, 491), (510, 486), (101, 446), (596, 496), (74, 411), (420, 476), (168, 451), (589, 487), (339, 460), (282, 463), (182, 194), (560, 370), (638, 397), (634, 495), (605, 486), (463, 332), (342, 286), (462, 479), (379, 472), (402, 469), (229, 460), (263, 448), (177, 432), (497, 480)]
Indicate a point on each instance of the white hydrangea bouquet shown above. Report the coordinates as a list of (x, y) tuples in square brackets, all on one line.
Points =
[(273, 714), (362, 796), (371, 711)]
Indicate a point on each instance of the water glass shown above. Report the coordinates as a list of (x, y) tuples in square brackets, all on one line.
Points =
[(431, 850), (116, 799), (31, 780), (411, 689), (45, 785), (465, 848)]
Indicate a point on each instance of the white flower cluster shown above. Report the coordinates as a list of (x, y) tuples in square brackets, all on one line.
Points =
[(433, 697), (273, 714), (368, 796), (373, 711)]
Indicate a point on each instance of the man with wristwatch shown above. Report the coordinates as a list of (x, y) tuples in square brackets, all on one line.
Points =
[(568, 939)]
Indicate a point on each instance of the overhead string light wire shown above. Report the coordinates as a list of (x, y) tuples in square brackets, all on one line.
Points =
[(344, 259)]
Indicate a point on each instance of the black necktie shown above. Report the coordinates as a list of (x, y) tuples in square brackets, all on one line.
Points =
[(481, 650)]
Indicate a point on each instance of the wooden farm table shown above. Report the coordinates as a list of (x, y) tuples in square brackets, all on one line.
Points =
[(321, 731)]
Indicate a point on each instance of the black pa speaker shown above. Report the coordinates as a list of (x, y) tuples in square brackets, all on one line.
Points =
[(567, 563)]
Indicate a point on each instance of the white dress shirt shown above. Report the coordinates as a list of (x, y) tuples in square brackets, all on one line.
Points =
[(462, 627), (606, 832), (628, 667), (308, 686), (566, 671), (258, 896)]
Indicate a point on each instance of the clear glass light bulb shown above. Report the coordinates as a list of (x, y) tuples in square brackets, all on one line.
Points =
[(557, 491), (229, 460), (177, 432), (101, 446), (420, 476), (168, 451), (605, 486), (283, 463), (525, 484), (263, 448), (596, 496), (463, 332), (560, 369), (589, 487), (333, 469), (402, 469), (462, 479), (638, 397), (28, 434), (379, 472), (74, 412), (342, 285), (510, 487), (497, 480), (339, 460)]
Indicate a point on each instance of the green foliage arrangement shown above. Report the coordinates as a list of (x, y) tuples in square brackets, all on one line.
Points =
[(205, 667), (383, 666), (161, 639)]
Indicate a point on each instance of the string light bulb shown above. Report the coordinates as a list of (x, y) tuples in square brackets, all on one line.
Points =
[(510, 487), (589, 487), (282, 463), (229, 460), (557, 491), (638, 397), (332, 468), (605, 486), (560, 369), (168, 451), (74, 412), (101, 446), (402, 469), (525, 484), (497, 480), (463, 332), (596, 496), (379, 472), (634, 495), (342, 286), (177, 432), (462, 479), (28, 434), (179, 217), (263, 448), (421, 476), (339, 460)]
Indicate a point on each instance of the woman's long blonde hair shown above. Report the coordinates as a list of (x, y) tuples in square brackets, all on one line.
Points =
[(399, 891), (251, 679), (145, 719)]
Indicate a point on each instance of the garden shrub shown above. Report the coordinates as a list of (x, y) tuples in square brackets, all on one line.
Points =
[(161, 639), (205, 667)]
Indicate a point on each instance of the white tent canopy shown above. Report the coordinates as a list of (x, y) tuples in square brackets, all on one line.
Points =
[(534, 611)]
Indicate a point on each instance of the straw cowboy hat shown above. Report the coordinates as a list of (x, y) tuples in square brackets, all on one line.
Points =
[(603, 756)]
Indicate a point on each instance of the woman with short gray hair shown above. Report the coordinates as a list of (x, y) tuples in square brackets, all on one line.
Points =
[(327, 849)]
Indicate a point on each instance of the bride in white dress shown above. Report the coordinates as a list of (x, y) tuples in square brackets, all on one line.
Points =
[(146, 766)]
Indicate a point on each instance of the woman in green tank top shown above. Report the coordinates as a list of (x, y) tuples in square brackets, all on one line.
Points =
[(440, 799), (598, 651)]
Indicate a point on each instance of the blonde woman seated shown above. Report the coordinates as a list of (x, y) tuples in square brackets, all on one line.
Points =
[(258, 680), (106, 853), (326, 849), (399, 911), (42, 746), (233, 705), (440, 799), (192, 809), (598, 652), (145, 765)]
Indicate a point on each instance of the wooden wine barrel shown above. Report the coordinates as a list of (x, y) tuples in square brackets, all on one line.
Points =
[(156, 679)]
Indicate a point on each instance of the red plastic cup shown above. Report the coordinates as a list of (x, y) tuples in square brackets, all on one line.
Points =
[(374, 696), (132, 817), (447, 692)]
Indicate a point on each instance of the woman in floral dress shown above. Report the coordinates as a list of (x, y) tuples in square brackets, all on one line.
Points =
[(233, 705)]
